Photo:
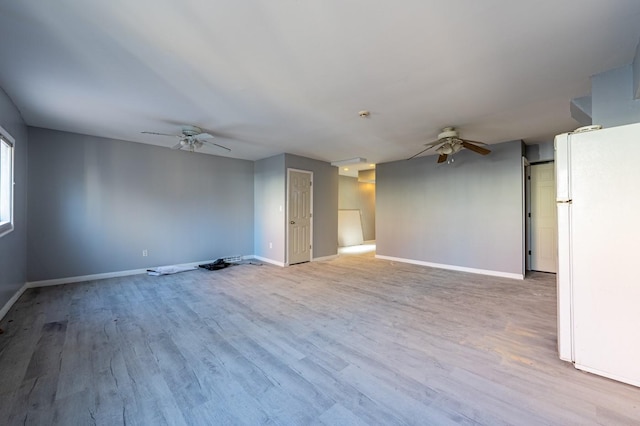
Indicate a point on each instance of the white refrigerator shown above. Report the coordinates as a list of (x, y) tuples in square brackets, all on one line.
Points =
[(598, 279)]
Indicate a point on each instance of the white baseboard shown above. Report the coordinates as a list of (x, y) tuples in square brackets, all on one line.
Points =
[(271, 261), (282, 264), (13, 300), (454, 267), (81, 278), (93, 277)]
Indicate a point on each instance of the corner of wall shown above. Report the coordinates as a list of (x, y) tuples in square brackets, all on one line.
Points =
[(613, 97), (7, 306), (13, 246), (636, 73)]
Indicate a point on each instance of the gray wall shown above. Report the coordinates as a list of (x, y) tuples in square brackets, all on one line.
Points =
[(325, 203), (540, 153), (96, 203), (613, 102), (270, 205), (354, 195), (13, 246), (467, 214), (269, 208)]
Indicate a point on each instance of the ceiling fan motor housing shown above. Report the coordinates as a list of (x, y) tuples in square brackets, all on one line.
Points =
[(191, 130), (448, 133)]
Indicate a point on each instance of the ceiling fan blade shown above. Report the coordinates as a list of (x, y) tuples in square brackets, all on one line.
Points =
[(475, 148), (442, 158), (434, 143), (475, 142), (219, 146), (177, 146), (428, 147), (202, 136), (414, 156), (161, 134)]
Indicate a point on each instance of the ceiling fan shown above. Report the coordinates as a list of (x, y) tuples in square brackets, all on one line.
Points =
[(191, 138), (450, 143)]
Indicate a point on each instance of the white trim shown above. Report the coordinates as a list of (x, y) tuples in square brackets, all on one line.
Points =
[(116, 274), (13, 300), (8, 225), (271, 261), (81, 278), (319, 259), (454, 267)]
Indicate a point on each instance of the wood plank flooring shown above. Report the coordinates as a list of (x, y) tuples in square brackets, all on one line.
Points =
[(349, 341)]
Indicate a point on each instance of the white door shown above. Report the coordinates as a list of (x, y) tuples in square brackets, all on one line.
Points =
[(544, 250), (299, 216)]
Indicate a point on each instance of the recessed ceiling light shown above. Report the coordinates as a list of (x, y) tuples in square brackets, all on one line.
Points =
[(364, 113), (372, 165), (346, 169)]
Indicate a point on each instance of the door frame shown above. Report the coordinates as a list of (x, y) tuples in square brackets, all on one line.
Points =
[(286, 223), (530, 221), (526, 167), (527, 209)]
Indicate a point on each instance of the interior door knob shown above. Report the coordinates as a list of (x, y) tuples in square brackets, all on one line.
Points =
[(293, 223)]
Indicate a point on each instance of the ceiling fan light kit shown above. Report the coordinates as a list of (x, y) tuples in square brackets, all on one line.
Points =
[(191, 138)]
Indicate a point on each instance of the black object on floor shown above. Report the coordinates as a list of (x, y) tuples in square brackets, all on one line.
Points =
[(218, 264)]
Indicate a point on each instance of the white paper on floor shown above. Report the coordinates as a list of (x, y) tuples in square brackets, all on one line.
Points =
[(167, 270)]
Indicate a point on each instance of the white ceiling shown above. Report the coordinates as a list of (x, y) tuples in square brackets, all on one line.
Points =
[(269, 77)]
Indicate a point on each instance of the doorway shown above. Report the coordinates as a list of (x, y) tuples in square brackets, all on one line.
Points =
[(299, 216), (356, 211), (543, 220)]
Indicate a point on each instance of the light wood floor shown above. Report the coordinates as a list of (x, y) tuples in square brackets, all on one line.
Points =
[(349, 341)]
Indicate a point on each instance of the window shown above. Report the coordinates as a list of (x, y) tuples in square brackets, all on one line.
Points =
[(6, 182)]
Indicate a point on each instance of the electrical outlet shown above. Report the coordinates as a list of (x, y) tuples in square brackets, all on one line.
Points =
[(145, 253), (270, 245)]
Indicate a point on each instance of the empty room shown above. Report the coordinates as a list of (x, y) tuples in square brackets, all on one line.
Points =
[(328, 213)]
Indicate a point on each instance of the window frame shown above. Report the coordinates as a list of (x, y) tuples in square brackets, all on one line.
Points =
[(6, 182)]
